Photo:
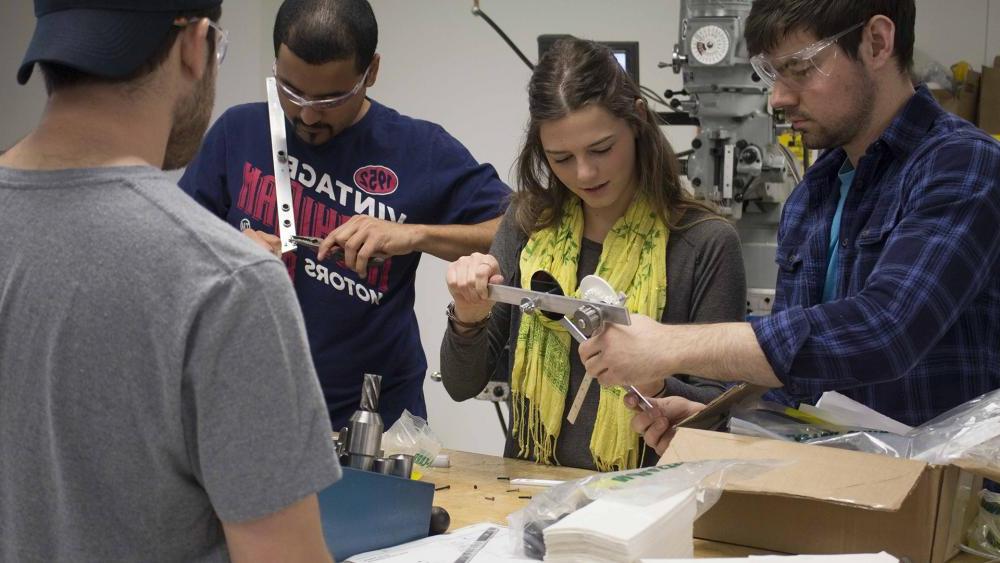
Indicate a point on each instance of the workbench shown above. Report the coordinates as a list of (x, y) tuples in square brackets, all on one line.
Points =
[(471, 491), (472, 482)]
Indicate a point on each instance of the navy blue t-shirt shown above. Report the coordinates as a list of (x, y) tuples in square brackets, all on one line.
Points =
[(387, 165)]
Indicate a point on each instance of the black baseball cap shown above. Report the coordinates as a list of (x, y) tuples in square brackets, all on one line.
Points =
[(106, 38)]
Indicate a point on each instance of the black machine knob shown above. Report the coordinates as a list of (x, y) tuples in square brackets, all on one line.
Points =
[(440, 520)]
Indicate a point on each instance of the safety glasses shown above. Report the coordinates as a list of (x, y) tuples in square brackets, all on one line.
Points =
[(797, 69), (221, 37), (318, 104)]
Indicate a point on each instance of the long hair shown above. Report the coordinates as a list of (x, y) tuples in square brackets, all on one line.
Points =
[(572, 74)]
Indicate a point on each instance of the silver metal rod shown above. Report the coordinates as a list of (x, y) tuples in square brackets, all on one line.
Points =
[(573, 330), (644, 403)]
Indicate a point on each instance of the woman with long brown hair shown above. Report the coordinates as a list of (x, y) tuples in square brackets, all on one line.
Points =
[(599, 193)]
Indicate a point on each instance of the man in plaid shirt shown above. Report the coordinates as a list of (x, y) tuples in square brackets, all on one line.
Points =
[(888, 284)]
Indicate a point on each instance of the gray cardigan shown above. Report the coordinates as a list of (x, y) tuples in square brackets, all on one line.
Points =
[(705, 283)]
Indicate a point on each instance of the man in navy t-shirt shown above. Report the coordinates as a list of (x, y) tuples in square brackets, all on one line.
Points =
[(366, 178)]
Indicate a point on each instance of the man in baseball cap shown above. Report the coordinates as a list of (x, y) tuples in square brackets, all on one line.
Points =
[(157, 397), (105, 38)]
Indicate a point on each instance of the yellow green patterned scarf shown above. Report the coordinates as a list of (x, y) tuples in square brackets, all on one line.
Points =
[(633, 261)]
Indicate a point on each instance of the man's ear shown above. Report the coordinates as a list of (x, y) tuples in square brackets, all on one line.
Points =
[(878, 39), (194, 49), (373, 71)]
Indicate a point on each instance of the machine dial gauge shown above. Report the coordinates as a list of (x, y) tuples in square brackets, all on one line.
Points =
[(709, 44)]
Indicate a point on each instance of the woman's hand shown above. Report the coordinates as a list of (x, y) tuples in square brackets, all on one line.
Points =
[(468, 278)]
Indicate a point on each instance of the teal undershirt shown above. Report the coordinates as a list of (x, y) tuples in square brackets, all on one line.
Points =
[(846, 175)]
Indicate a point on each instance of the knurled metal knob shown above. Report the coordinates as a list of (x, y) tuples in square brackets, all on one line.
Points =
[(588, 319)]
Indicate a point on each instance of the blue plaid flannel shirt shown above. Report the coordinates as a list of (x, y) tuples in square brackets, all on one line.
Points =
[(914, 329)]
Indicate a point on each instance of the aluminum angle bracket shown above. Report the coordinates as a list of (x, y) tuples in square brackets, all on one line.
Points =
[(279, 155), (530, 300)]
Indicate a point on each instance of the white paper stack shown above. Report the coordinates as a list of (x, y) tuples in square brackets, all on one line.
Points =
[(613, 528), (881, 557), (463, 544)]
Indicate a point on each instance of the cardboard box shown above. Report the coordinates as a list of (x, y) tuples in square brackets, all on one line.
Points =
[(964, 102), (989, 98), (833, 501)]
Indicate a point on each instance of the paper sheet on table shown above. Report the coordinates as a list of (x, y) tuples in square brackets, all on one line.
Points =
[(853, 413), (446, 548), (882, 557)]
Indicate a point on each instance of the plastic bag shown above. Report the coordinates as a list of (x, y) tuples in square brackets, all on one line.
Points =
[(984, 535), (929, 71), (639, 487), (870, 441), (778, 422), (937, 74), (411, 435), (969, 431)]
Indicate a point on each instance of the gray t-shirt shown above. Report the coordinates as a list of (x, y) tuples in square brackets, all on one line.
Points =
[(154, 373), (705, 283)]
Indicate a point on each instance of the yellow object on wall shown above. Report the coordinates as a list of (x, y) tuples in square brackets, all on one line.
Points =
[(794, 143)]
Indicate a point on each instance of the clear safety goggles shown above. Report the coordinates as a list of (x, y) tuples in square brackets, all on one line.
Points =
[(318, 104), (221, 37), (795, 70)]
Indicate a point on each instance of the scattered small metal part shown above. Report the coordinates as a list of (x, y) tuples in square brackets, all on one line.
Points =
[(489, 498), (513, 490), (444, 487), (475, 486), (525, 496), (503, 478)]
